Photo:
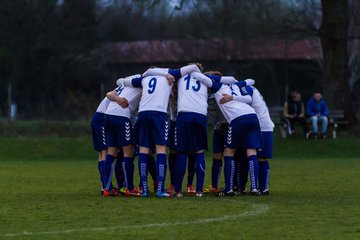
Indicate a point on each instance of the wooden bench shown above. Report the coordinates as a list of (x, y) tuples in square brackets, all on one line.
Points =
[(336, 118)]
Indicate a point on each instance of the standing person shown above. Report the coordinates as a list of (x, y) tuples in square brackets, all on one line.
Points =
[(120, 134), (318, 112), (98, 136), (243, 131), (294, 111), (267, 127), (153, 123)]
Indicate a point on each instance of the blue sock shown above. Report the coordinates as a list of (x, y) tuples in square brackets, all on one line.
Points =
[(244, 172), (264, 175), (216, 172), (172, 162), (200, 171), (161, 170), (128, 167), (236, 180), (180, 169), (101, 173), (142, 167), (152, 167), (108, 171), (119, 173), (191, 168), (254, 172), (229, 170)]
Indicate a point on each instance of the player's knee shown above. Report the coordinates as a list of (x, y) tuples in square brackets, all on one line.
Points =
[(229, 152), (144, 150), (160, 149), (112, 151), (217, 156), (250, 152)]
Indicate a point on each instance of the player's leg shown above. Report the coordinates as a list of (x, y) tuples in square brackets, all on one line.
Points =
[(172, 156), (253, 170), (161, 167), (112, 150), (143, 169), (152, 169), (99, 143), (229, 170), (264, 167), (101, 163), (144, 136), (119, 171), (191, 172), (243, 169), (128, 166)]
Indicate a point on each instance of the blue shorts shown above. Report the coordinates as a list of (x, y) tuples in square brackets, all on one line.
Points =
[(172, 135), (244, 132), (153, 128), (191, 132), (267, 141), (119, 132), (218, 141), (98, 132)]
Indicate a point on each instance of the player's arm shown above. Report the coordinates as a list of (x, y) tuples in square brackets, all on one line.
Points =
[(227, 98), (123, 102), (131, 81), (214, 86), (165, 72)]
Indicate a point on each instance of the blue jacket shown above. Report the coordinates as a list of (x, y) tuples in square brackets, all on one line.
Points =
[(313, 107)]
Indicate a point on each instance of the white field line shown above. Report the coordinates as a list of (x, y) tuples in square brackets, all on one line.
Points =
[(256, 209)]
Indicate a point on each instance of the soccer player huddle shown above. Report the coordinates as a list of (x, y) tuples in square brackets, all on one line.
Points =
[(133, 120)]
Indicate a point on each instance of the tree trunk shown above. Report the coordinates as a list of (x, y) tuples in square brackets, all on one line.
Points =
[(334, 37)]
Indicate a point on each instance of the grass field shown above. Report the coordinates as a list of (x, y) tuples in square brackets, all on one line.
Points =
[(49, 190)]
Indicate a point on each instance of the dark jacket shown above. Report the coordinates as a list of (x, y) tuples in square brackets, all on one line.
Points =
[(294, 107), (313, 107)]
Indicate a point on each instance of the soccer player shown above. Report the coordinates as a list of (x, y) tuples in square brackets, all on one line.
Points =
[(120, 134), (98, 136), (267, 127), (153, 123), (219, 133), (243, 131)]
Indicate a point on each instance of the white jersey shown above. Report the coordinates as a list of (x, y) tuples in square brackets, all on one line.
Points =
[(155, 94), (133, 96), (233, 109), (103, 105), (192, 95), (262, 112)]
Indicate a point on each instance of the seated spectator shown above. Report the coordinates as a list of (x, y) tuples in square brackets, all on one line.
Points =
[(317, 111), (294, 111)]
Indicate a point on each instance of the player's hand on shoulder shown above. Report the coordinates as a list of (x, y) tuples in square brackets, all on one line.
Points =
[(170, 78)]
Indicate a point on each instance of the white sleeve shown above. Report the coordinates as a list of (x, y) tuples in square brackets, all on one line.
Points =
[(203, 79), (127, 81), (245, 99), (156, 72), (228, 80), (189, 69), (249, 82)]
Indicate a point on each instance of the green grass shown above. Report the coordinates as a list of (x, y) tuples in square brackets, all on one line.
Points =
[(50, 185)]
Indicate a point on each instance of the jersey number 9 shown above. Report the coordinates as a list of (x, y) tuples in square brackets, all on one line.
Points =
[(152, 85)]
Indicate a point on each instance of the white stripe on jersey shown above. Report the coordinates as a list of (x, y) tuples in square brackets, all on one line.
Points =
[(233, 109), (155, 94), (192, 95), (133, 96), (103, 105), (262, 112)]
